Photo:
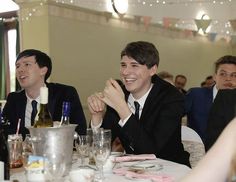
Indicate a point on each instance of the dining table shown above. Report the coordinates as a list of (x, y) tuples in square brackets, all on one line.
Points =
[(171, 171)]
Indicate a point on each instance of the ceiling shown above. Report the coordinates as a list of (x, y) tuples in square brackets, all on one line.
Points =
[(219, 11)]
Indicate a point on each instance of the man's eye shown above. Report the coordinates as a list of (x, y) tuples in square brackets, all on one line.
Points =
[(234, 75), (222, 74)]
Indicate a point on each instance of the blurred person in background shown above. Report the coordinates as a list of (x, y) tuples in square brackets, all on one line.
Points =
[(198, 101), (166, 76), (209, 81), (180, 82), (222, 112)]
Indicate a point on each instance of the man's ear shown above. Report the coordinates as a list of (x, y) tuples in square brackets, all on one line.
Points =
[(44, 70), (153, 70)]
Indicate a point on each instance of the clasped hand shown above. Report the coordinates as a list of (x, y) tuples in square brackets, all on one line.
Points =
[(112, 96)]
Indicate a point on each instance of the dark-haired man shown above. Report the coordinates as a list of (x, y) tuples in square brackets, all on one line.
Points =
[(199, 100), (180, 82), (33, 68), (146, 113)]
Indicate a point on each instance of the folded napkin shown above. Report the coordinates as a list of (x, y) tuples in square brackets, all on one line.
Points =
[(141, 174), (135, 158)]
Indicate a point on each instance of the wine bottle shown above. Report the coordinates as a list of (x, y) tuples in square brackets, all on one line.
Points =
[(65, 117), (43, 119), (4, 157)]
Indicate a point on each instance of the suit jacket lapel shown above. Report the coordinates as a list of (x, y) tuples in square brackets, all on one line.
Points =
[(151, 98), (21, 107), (209, 98)]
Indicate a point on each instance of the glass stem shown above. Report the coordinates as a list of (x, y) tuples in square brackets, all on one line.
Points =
[(82, 160), (100, 168)]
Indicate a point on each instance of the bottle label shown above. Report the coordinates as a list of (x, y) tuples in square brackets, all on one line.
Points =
[(1, 171), (43, 95)]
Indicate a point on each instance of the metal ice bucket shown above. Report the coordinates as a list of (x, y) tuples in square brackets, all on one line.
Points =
[(54, 140)]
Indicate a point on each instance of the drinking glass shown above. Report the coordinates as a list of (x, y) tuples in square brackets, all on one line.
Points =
[(101, 150), (82, 147), (55, 166), (28, 148), (15, 149), (90, 135)]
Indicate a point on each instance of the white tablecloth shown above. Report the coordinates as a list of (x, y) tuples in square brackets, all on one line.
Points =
[(175, 170)]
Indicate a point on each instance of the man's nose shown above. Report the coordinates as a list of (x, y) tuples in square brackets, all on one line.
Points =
[(126, 70)]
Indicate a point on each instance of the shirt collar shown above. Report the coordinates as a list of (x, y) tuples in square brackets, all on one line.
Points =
[(214, 92), (30, 99), (141, 100)]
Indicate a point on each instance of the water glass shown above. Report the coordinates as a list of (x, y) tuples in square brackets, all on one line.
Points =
[(15, 150), (101, 150), (91, 158), (82, 146), (55, 166)]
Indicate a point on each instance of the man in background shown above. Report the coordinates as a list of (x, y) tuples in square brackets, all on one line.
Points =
[(198, 101), (166, 76), (209, 81), (180, 82), (33, 68), (222, 112)]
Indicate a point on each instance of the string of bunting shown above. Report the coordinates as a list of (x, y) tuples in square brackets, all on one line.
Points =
[(167, 23)]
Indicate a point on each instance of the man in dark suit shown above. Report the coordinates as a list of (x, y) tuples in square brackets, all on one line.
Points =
[(198, 104), (198, 101), (33, 68), (222, 112), (146, 114)]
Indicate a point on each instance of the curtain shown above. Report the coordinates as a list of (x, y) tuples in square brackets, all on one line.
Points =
[(17, 49), (4, 57), (2, 62)]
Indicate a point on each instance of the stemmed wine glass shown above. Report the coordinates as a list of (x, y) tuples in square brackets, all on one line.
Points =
[(55, 166), (82, 145), (101, 149)]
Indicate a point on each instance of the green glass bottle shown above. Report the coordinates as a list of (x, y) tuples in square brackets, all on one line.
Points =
[(43, 119)]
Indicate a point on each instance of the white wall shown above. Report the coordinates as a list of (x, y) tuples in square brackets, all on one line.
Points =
[(85, 49)]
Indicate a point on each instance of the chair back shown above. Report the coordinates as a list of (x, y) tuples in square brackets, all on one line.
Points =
[(193, 144)]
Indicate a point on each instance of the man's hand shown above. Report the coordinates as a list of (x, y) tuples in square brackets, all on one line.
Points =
[(114, 96), (96, 107)]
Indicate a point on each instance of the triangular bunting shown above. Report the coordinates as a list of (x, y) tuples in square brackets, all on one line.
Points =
[(202, 24)]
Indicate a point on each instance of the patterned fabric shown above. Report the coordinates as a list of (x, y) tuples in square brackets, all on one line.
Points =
[(196, 150)]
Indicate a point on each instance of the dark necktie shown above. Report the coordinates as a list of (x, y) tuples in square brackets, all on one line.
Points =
[(34, 111), (137, 106)]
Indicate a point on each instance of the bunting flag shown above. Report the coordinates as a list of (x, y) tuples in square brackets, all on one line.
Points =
[(169, 22), (202, 24), (188, 33), (146, 21), (233, 24), (212, 36)]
